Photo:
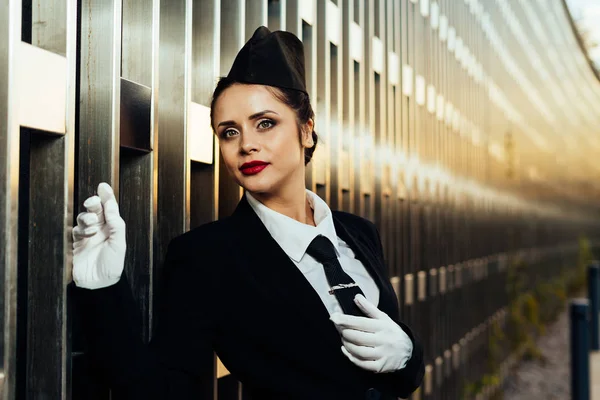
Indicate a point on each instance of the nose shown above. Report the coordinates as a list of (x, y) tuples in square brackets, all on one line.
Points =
[(249, 144)]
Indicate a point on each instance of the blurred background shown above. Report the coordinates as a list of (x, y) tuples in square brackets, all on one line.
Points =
[(585, 14), (467, 130)]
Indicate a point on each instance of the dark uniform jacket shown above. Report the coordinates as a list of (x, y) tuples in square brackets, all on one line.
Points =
[(230, 288)]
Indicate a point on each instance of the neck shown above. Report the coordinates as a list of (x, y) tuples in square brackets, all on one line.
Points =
[(292, 202)]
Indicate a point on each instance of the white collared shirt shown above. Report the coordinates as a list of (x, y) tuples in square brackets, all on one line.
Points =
[(294, 237)]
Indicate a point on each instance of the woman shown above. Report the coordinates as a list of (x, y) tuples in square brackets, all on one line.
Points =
[(294, 298)]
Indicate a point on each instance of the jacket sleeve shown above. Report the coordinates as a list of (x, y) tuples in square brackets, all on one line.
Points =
[(178, 362), (403, 382)]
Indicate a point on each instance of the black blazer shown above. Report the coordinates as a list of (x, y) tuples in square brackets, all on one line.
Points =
[(230, 288)]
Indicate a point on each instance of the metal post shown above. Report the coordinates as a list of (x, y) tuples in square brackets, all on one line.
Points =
[(594, 298), (580, 361)]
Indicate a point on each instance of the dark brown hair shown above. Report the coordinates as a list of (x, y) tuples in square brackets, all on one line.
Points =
[(295, 99)]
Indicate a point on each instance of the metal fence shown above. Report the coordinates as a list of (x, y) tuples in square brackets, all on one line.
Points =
[(457, 126)]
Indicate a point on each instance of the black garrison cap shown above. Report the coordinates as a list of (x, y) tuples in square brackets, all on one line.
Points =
[(271, 58)]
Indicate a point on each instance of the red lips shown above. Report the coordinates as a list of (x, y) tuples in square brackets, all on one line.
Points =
[(253, 167)]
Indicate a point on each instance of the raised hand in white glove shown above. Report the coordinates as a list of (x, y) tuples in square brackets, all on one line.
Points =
[(376, 343), (99, 241)]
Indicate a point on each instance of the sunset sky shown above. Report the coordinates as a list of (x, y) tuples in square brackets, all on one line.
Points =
[(587, 13)]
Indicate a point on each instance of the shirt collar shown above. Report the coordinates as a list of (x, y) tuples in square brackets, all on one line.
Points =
[(294, 236)]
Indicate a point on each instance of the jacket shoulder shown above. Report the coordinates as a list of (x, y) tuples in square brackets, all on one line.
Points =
[(362, 228), (195, 251), (210, 235), (355, 222)]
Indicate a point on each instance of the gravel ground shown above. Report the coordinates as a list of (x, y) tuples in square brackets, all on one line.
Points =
[(549, 380)]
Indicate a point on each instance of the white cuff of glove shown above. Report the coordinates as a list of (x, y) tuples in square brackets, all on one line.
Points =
[(375, 342), (99, 243)]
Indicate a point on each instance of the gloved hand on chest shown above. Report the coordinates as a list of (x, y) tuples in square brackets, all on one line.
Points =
[(375, 343)]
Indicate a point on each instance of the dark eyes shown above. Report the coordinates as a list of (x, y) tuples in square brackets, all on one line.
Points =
[(266, 124), (228, 133), (262, 125)]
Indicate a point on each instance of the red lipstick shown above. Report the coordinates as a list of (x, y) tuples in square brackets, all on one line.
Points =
[(253, 167)]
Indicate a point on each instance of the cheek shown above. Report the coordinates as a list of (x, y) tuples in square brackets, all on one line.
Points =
[(289, 148), (229, 156)]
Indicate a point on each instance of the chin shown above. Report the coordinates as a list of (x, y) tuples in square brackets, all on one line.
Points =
[(255, 184)]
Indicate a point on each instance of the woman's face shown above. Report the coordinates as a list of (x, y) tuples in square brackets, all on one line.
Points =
[(259, 139)]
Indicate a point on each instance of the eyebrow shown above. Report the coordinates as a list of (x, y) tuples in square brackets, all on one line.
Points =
[(252, 117)]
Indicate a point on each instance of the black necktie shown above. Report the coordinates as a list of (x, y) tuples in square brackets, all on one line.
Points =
[(342, 286)]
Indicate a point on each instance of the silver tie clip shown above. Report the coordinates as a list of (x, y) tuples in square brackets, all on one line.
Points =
[(342, 286)]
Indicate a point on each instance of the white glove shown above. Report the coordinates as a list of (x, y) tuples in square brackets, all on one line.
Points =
[(99, 241), (376, 343)]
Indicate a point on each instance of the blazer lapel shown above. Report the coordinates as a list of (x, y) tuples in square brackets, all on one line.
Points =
[(283, 281), (286, 285), (368, 256)]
